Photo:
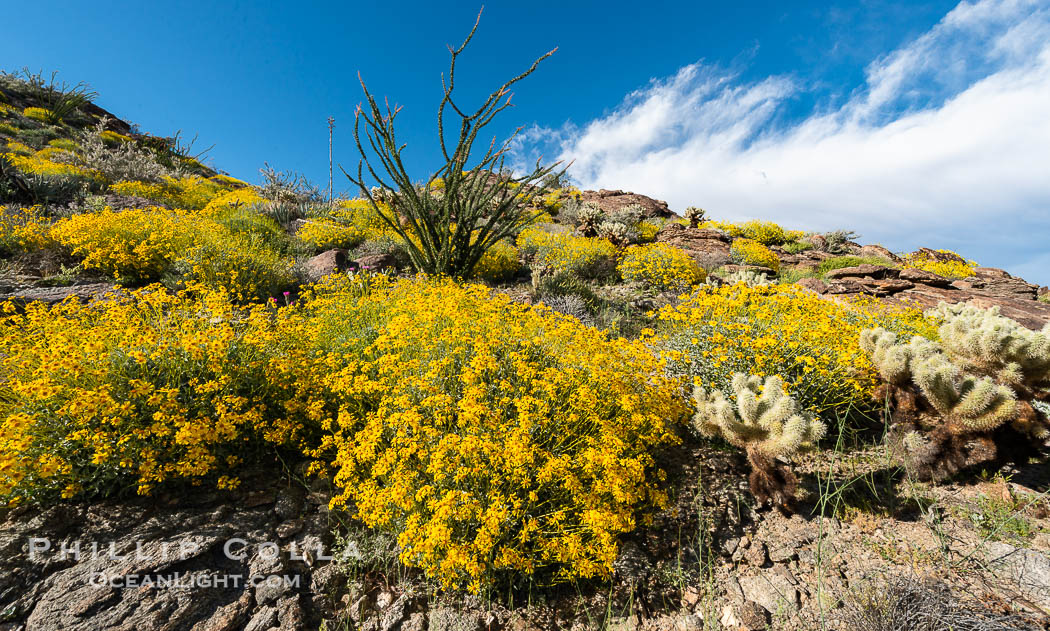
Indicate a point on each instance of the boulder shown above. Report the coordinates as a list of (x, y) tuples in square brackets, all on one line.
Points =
[(611, 201), (861, 271), (845, 286), (746, 615), (325, 263), (997, 282), (772, 590), (813, 284), (1029, 313), (923, 277), (935, 255), (877, 250), (1029, 569), (377, 262), (55, 295), (708, 247)]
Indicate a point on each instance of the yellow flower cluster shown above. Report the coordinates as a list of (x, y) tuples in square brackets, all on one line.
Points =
[(63, 143), (112, 138), (14, 146), (498, 263), (647, 230), (5, 110), (946, 268), (765, 232), (8, 130), (561, 251), (43, 163), (192, 192), (324, 235), (244, 196), (37, 113), (346, 226), (131, 245), (495, 439), (139, 245), (137, 389), (661, 266), (23, 230), (810, 342), (754, 253)]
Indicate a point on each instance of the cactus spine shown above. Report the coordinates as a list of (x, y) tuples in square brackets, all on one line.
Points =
[(766, 423)]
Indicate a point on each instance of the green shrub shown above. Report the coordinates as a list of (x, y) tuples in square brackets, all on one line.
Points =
[(840, 262)]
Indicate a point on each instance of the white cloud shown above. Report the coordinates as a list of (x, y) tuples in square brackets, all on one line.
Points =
[(946, 145)]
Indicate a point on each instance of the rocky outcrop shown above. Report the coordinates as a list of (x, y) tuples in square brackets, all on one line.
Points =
[(987, 288), (55, 295), (257, 561), (611, 201), (708, 247)]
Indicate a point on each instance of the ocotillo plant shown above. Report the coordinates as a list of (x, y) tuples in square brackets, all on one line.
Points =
[(767, 424), (480, 205), (968, 399)]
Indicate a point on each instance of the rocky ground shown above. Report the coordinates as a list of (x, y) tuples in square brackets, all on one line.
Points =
[(711, 561)]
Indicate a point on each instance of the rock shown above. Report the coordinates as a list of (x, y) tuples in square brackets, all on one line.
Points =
[(786, 551), (888, 286), (271, 588), (708, 247), (290, 613), (673, 622), (690, 597), (325, 263), (448, 619), (55, 295), (611, 201), (877, 250), (923, 277), (1029, 313), (1029, 569), (415, 622), (229, 618), (813, 284), (936, 255), (377, 262), (746, 616), (861, 271), (845, 286), (997, 283), (756, 554), (263, 619), (771, 590), (394, 613)]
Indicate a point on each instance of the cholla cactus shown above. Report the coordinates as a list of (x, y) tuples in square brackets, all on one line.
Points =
[(983, 341), (750, 278), (695, 216), (767, 424), (895, 361), (970, 398), (589, 216), (617, 232)]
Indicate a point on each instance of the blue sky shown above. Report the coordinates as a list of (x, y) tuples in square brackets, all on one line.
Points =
[(912, 123)]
